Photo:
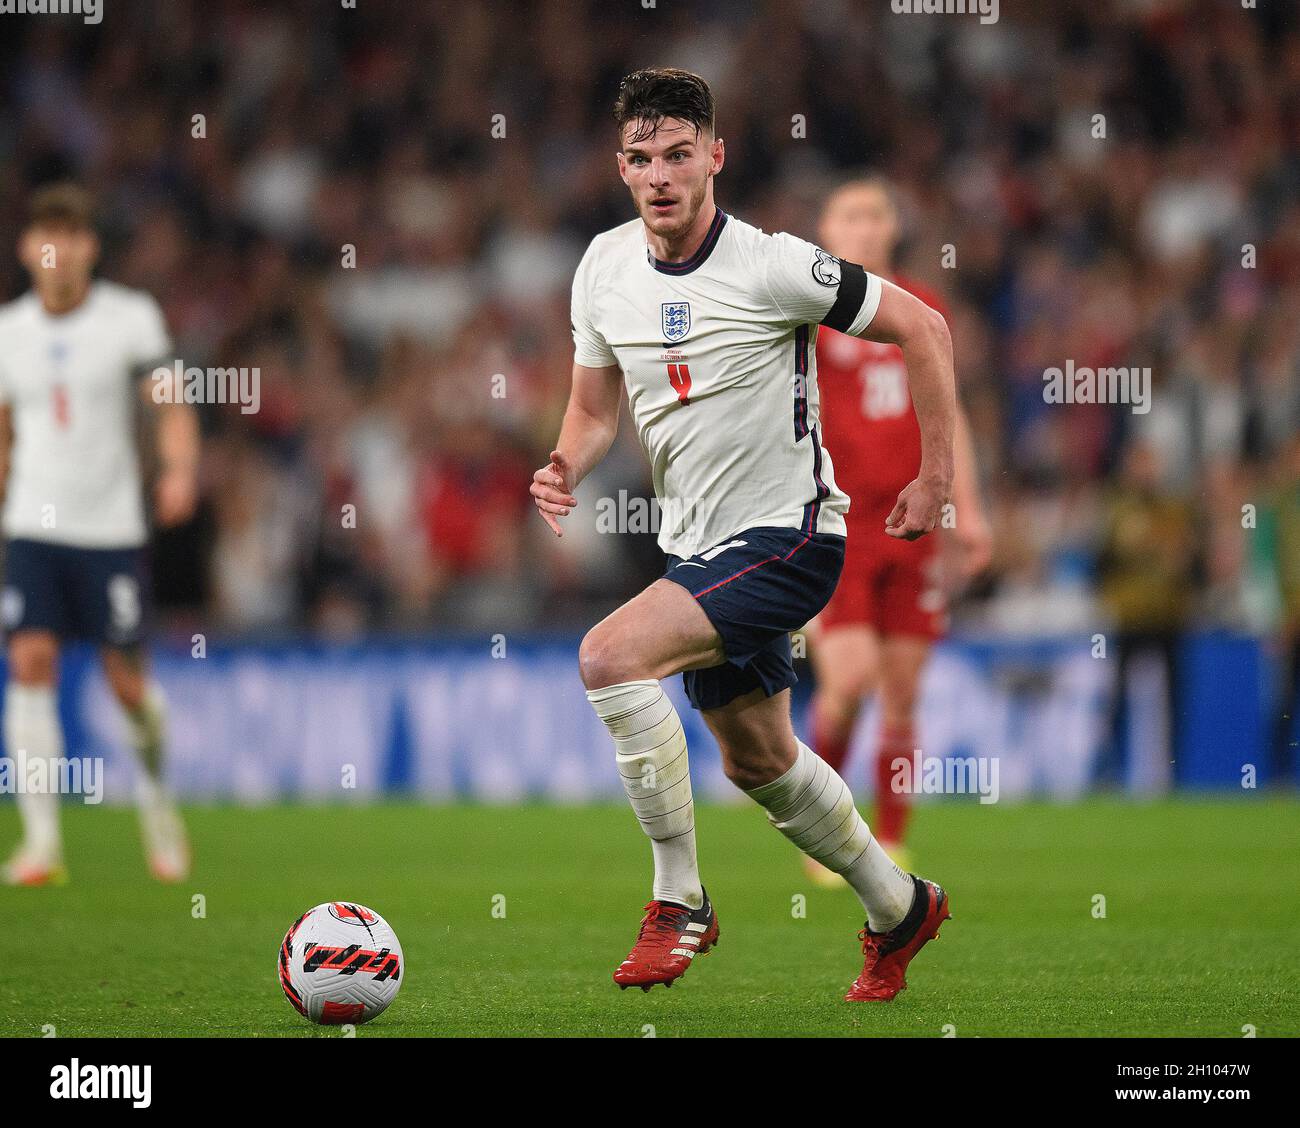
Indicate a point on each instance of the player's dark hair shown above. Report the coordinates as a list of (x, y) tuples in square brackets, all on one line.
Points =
[(656, 93), (61, 204)]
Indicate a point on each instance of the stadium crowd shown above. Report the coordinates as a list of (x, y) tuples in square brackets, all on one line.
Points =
[(381, 208)]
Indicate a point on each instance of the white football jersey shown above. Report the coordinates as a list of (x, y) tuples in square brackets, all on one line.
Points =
[(71, 383), (719, 357)]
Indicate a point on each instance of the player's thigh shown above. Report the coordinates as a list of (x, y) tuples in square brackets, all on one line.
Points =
[(846, 660), (846, 647), (32, 655), (658, 633), (912, 601), (755, 737), (108, 596), (36, 603), (902, 662)]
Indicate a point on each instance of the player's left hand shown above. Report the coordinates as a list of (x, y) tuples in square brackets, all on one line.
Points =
[(176, 496), (917, 511)]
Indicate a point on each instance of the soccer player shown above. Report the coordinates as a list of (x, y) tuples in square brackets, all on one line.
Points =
[(71, 353), (712, 325), (890, 606)]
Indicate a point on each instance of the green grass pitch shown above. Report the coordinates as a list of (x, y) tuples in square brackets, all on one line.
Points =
[(1200, 933)]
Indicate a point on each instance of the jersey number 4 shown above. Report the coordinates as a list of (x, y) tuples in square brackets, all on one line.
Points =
[(679, 376), (60, 403)]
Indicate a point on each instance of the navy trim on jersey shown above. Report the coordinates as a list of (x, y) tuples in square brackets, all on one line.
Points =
[(801, 428), (697, 259), (823, 490), (848, 301), (814, 507), (800, 382)]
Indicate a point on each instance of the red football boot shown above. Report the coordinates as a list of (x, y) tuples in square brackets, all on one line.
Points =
[(671, 936), (889, 953)]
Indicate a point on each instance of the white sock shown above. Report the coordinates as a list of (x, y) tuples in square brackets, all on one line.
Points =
[(160, 821), (148, 726), (813, 807), (650, 748), (32, 731)]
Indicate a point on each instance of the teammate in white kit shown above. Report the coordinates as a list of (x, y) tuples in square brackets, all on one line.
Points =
[(711, 323), (72, 354)]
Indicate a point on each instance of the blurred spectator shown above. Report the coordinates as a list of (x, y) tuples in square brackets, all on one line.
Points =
[(1146, 568), (1284, 526)]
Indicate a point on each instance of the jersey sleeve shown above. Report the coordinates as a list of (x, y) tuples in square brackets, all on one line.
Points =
[(807, 284), (153, 343), (590, 349)]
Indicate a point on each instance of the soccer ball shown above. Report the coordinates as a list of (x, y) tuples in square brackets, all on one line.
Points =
[(340, 962)]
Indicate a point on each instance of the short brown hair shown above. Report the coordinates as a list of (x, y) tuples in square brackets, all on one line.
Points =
[(663, 92), (867, 178), (62, 204)]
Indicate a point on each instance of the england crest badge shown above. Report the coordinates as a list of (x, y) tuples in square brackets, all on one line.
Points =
[(676, 318)]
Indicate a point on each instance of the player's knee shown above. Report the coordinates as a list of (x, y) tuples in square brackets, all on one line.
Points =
[(755, 763), (600, 662), (900, 711), (126, 678), (898, 701), (750, 772), (844, 689), (129, 690), (33, 660), (744, 776)]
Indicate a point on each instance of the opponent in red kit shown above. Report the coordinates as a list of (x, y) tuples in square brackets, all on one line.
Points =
[(890, 605)]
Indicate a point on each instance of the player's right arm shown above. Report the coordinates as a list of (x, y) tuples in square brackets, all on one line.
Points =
[(921, 333), (175, 422), (590, 424), (591, 419)]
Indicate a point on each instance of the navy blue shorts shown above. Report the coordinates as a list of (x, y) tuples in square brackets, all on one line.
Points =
[(756, 588), (78, 593)]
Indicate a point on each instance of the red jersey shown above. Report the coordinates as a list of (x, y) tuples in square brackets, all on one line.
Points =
[(868, 422)]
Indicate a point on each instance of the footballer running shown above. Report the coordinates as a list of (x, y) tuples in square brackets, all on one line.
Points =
[(712, 325), (75, 353)]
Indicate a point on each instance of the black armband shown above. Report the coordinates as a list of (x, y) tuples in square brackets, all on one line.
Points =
[(848, 302)]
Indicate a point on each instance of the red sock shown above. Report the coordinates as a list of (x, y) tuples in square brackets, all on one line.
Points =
[(831, 747), (891, 806)]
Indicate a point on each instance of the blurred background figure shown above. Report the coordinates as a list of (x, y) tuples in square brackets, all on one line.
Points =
[(874, 636), (1285, 543), (1146, 567)]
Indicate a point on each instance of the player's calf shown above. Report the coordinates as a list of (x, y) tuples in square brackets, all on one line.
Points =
[(653, 766), (813, 807), (162, 831), (658, 633)]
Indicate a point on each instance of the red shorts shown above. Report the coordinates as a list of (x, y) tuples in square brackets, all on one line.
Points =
[(894, 586)]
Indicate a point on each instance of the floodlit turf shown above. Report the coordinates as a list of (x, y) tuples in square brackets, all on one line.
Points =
[(1201, 932)]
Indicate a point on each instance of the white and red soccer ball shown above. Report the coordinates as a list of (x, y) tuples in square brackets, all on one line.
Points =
[(339, 963)]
